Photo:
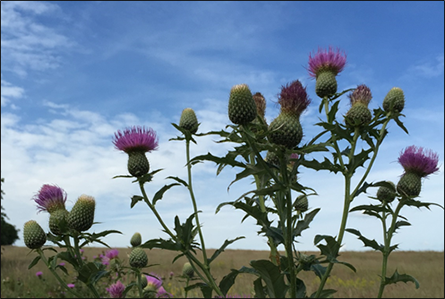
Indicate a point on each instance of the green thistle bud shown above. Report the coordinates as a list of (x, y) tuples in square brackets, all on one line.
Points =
[(58, 221), (385, 194), (150, 291), (137, 164), (33, 235), (242, 108), (138, 258), (394, 100), (326, 84), (136, 240), (188, 120), (409, 184), (187, 270), (81, 217), (301, 203), (359, 114), (286, 130)]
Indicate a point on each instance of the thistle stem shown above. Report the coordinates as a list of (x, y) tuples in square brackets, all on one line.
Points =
[(62, 283)]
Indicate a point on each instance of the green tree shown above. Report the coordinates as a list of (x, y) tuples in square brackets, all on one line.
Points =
[(8, 231)]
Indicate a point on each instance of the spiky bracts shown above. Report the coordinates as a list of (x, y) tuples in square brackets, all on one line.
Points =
[(286, 128), (386, 194), (81, 216), (188, 120), (136, 240), (187, 270), (50, 198), (136, 141), (58, 221), (242, 108), (418, 163), (138, 258), (33, 235), (359, 115), (324, 67), (394, 100)]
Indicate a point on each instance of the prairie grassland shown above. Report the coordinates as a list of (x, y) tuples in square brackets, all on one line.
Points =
[(427, 267)]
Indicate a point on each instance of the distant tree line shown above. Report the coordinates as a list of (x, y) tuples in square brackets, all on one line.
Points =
[(9, 234)]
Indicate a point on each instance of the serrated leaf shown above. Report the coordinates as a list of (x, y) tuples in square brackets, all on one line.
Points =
[(367, 242), (221, 249), (158, 195), (34, 262), (135, 199), (181, 181), (401, 223), (272, 276), (396, 277), (304, 224)]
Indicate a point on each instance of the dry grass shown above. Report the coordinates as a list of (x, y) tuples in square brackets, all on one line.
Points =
[(426, 267)]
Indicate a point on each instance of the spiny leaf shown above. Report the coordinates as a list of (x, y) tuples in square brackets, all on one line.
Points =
[(158, 195), (369, 243), (396, 277)]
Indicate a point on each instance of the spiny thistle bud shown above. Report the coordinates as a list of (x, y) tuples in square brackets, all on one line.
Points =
[(242, 108), (324, 66), (286, 128), (188, 120), (417, 163), (187, 270), (81, 217), (385, 194), (260, 103), (359, 114), (58, 221), (33, 235), (50, 198), (136, 141), (136, 240), (301, 203), (138, 258), (394, 100)]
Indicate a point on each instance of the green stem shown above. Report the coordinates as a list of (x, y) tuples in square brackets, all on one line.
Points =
[(138, 273), (195, 208), (62, 283), (387, 239)]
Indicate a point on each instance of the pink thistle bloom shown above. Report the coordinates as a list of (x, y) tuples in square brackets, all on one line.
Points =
[(154, 280), (39, 274), (50, 198), (361, 94), (418, 160), (112, 253), (116, 290), (332, 61), (135, 139), (71, 285), (62, 264), (293, 98)]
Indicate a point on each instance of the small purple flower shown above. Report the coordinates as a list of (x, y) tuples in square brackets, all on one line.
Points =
[(50, 198), (112, 253), (421, 161), (116, 290), (39, 274), (71, 285), (135, 139), (293, 98), (62, 264), (361, 94), (332, 61)]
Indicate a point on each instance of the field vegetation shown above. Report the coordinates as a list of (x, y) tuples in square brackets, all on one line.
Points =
[(426, 266)]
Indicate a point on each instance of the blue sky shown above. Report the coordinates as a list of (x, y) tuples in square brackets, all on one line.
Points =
[(73, 73)]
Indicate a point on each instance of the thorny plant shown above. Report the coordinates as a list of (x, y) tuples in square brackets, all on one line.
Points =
[(271, 155)]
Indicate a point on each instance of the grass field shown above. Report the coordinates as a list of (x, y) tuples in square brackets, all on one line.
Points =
[(426, 267)]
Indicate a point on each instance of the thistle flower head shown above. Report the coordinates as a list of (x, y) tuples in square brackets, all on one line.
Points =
[(418, 160), (136, 139), (50, 198), (116, 290), (330, 60), (362, 94), (293, 98), (154, 281)]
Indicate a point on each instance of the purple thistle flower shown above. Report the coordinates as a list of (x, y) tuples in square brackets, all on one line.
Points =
[(116, 290), (293, 98), (39, 274), (50, 198), (71, 285), (333, 61), (421, 161), (135, 139), (361, 94), (154, 280), (112, 253)]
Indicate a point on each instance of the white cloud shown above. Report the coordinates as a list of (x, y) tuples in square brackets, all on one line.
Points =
[(9, 92)]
